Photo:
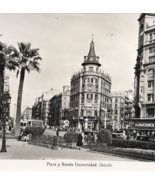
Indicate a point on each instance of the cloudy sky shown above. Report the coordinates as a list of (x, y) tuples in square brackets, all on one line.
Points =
[(64, 39)]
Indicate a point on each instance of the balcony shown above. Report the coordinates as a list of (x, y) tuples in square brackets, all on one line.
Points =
[(150, 41), (89, 101)]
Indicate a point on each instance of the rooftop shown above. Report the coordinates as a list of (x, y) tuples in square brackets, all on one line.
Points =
[(91, 58)]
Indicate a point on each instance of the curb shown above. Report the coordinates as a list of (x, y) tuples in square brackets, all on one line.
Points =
[(122, 156)]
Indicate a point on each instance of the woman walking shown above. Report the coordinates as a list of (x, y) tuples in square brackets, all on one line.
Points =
[(79, 141)]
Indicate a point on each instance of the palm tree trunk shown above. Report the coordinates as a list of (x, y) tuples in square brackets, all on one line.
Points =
[(19, 102)]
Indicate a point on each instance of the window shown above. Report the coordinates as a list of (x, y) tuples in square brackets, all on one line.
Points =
[(64, 103), (150, 83), (90, 68), (97, 69), (96, 81), (151, 59), (82, 112), (90, 96), (84, 69), (141, 28), (152, 50), (150, 97), (150, 112), (141, 41), (91, 80), (88, 80), (150, 36), (115, 100), (115, 105), (115, 111)]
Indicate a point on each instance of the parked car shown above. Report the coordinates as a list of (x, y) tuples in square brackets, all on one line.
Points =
[(118, 136), (143, 138)]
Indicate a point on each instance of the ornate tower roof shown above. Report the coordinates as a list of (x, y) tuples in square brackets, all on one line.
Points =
[(91, 58)]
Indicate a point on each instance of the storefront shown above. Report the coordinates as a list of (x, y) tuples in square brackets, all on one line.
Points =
[(142, 125)]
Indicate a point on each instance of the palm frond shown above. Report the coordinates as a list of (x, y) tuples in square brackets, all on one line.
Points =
[(12, 64), (34, 65), (28, 46), (28, 69), (37, 58), (17, 74), (21, 46), (33, 53)]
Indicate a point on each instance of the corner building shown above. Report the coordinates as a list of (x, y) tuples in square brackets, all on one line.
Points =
[(144, 85), (90, 94)]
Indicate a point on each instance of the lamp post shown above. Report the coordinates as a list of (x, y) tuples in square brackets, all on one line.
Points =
[(5, 102)]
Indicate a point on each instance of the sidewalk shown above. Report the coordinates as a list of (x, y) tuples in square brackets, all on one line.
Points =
[(22, 150)]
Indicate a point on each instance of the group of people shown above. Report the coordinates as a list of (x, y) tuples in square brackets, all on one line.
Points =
[(132, 135), (90, 138)]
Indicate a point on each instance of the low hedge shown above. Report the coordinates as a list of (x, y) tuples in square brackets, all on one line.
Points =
[(70, 137), (133, 144), (35, 131)]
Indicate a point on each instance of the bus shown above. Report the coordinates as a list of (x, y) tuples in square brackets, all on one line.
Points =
[(31, 123)]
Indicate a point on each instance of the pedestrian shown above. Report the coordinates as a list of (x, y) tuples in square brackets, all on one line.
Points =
[(79, 141), (95, 138), (57, 132), (82, 133), (89, 138)]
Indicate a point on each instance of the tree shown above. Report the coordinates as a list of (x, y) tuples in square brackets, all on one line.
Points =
[(7, 61), (27, 60), (65, 113), (104, 136)]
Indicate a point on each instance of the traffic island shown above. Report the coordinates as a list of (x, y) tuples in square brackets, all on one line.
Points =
[(126, 152)]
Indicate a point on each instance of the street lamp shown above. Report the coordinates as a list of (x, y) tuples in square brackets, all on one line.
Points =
[(5, 102)]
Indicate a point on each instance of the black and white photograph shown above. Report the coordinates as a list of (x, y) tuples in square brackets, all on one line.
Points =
[(77, 88)]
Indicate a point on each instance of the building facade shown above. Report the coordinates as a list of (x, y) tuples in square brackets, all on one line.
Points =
[(37, 109), (144, 82), (90, 94), (122, 108), (57, 104), (27, 113)]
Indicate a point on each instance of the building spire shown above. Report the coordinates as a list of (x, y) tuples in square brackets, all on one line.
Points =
[(92, 50), (91, 58)]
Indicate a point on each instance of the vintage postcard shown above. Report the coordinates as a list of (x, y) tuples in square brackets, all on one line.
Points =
[(77, 91)]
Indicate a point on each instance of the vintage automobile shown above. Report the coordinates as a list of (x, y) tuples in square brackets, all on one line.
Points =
[(118, 136), (143, 138)]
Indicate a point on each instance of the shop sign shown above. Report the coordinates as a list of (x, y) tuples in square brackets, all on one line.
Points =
[(144, 124)]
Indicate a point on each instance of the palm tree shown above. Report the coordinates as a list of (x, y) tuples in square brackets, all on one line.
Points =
[(65, 113), (7, 61), (27, 60)]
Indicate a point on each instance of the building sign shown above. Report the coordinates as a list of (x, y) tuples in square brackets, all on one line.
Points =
[(144, 125)]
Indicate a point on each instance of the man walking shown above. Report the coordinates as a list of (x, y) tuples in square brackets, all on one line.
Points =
[(57, 132)]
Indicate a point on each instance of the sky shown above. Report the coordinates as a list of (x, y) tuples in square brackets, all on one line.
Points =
[(64, 40)]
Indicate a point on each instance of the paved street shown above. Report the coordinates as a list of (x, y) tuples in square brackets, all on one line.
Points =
[(22, 150)]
